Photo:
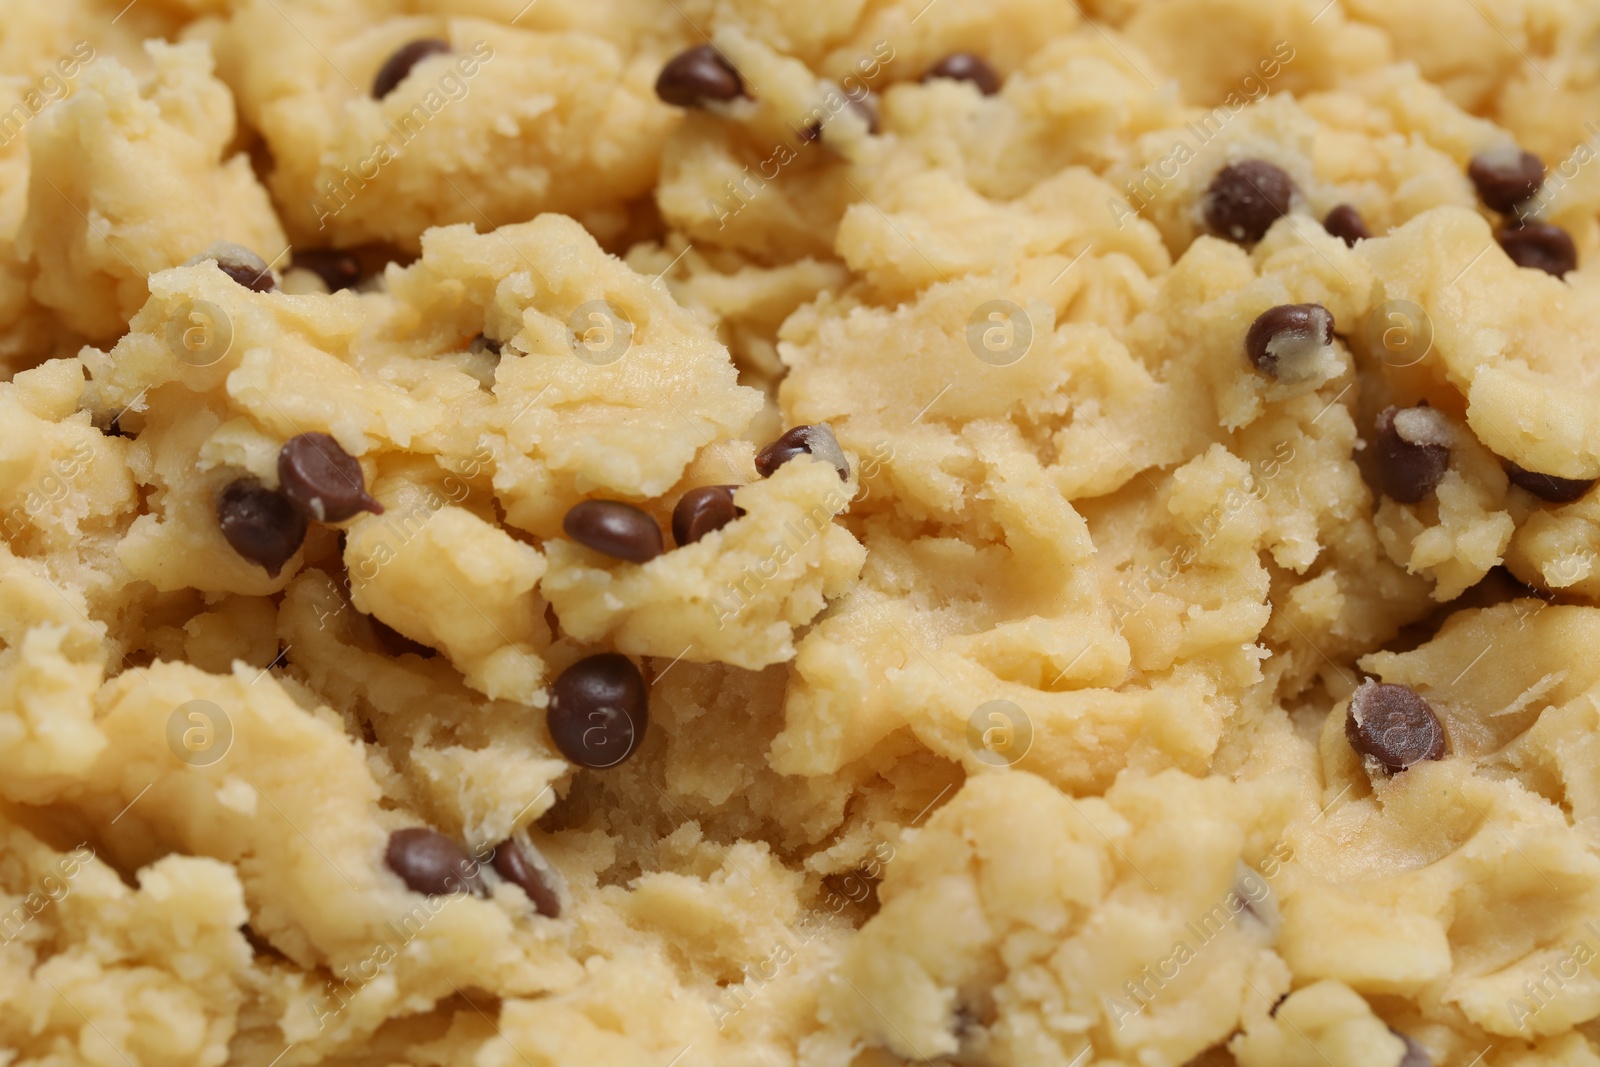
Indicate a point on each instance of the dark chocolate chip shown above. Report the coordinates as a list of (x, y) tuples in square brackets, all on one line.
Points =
[(1346, 223), (1539, 246), (431, 863), (254, 280), (1284, 338), (599, 709), (337, 268), (322, 479), (514, 866), (1505, 177), (1416, 1055), (817, 440), (1412, 452), (396, 643), (1246, 198), (1548, 486), (617, 529), (867, 110), (701, 511), (260, 523), (397, 66), (238, 263), (1393, 724), (700, 74), (966, 67)]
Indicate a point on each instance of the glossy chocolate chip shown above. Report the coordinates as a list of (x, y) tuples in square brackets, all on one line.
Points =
[(817, 440), (512, 864), (1246, 198), (1393, 724), (1346, 223), (966, 67), (701, 511), (1548, 486), (396, 643), (238, 263), (1412, 452), (1416, 1055), (617, 529), (322, 479), (1505, 177), (1539, 246), (397, 66), (260, 523), (696, 76), (599, 710), (431, 863), (1286, 340), (337, 268)]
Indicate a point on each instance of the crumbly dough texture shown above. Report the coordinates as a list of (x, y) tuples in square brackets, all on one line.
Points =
[(1024, 745)]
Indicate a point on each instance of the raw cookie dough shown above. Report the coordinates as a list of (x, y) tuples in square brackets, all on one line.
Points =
[(972, 647)]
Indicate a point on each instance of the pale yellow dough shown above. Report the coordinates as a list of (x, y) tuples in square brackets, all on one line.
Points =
[(1023, 745)]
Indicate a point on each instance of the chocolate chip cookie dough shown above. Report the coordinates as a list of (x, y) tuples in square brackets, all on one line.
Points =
[(711, 532)]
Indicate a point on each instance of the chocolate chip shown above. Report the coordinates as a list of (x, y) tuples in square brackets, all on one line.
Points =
[(1393, 724), (431, 863), (1288, 340), (1505, 177), (1548, 486), (322, 479), (701, 511), (867, 110), (1412, 448), (617, 529), (397, 66), (1346, 223), (599, 709), (337, 268), (260, 523), (966, 67), (396, 643), (700, 74), (1246, 198), (238, 263), (817, 440), (1416, 1055), (1540, 246), (512, 864)]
